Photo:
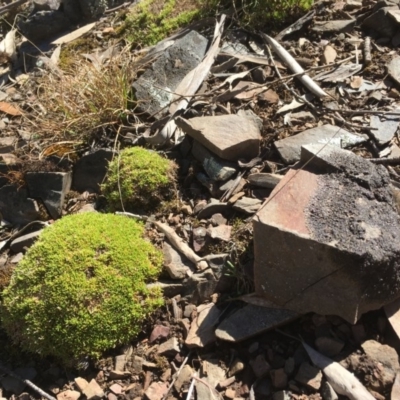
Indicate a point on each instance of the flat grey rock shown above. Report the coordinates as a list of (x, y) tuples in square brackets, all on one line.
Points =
[(258, 320), (247, 205), (335, 26), (51, 187), (385, 128), (154, 89), (265, 180), (213, 208), (290, 147), (231, 137)]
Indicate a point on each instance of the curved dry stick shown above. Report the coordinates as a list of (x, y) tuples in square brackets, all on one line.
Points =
[(294, 66), (178, 243)]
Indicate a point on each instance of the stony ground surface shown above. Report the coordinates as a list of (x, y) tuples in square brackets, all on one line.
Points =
[(208, 335)]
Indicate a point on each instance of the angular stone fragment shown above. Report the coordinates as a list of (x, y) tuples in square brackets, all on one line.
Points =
[(90, 170), (69, 395), (154, 90), (212, 208), (345, 25), (231, 137), (202, 330), (259, 320), (328, 346), (156, 391), (260, 365), (384, 21), (16, 207), (221, 232), (81, 383), (331, 254), (159, 332), (169, 348), (93, 390), (216, 168), (25, 241), (51, 187), (290, 147), (309, 376), (386, 357), (212, 374), (265, 180), (385, 128), (184, 378), (247, 205), (176, 264)]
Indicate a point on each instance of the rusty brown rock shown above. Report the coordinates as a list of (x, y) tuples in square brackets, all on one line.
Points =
[(324, 243)]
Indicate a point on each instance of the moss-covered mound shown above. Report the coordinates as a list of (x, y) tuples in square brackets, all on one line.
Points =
[(139, 179), (81, 289)]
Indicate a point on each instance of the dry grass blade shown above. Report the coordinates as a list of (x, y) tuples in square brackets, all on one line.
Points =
[(85, 98)]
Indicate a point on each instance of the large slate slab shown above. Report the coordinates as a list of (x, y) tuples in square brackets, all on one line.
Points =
[(154, 89), (230, 137), (258, 320), (290, 147), (325, 242)]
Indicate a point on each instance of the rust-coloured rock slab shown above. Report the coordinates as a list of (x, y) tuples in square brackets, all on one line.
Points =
[(325, 243)]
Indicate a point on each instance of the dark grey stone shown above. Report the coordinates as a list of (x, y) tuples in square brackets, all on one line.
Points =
[(216, 168), (51, 187), (258, 320), (44, 25), (23, 242), (213, 208), (153, 90), (90, 170), (385, 21), (247, 205), (335, 26), (16, 207)]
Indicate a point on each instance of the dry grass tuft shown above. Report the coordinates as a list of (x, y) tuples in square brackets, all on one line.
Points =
[(87, 97)]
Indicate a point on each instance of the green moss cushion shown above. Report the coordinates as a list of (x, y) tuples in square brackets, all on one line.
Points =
[(138, 178), (81, 288)]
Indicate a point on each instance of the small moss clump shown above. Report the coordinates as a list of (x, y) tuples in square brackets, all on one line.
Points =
[(153, 20), (139, 179), (81, 288)]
